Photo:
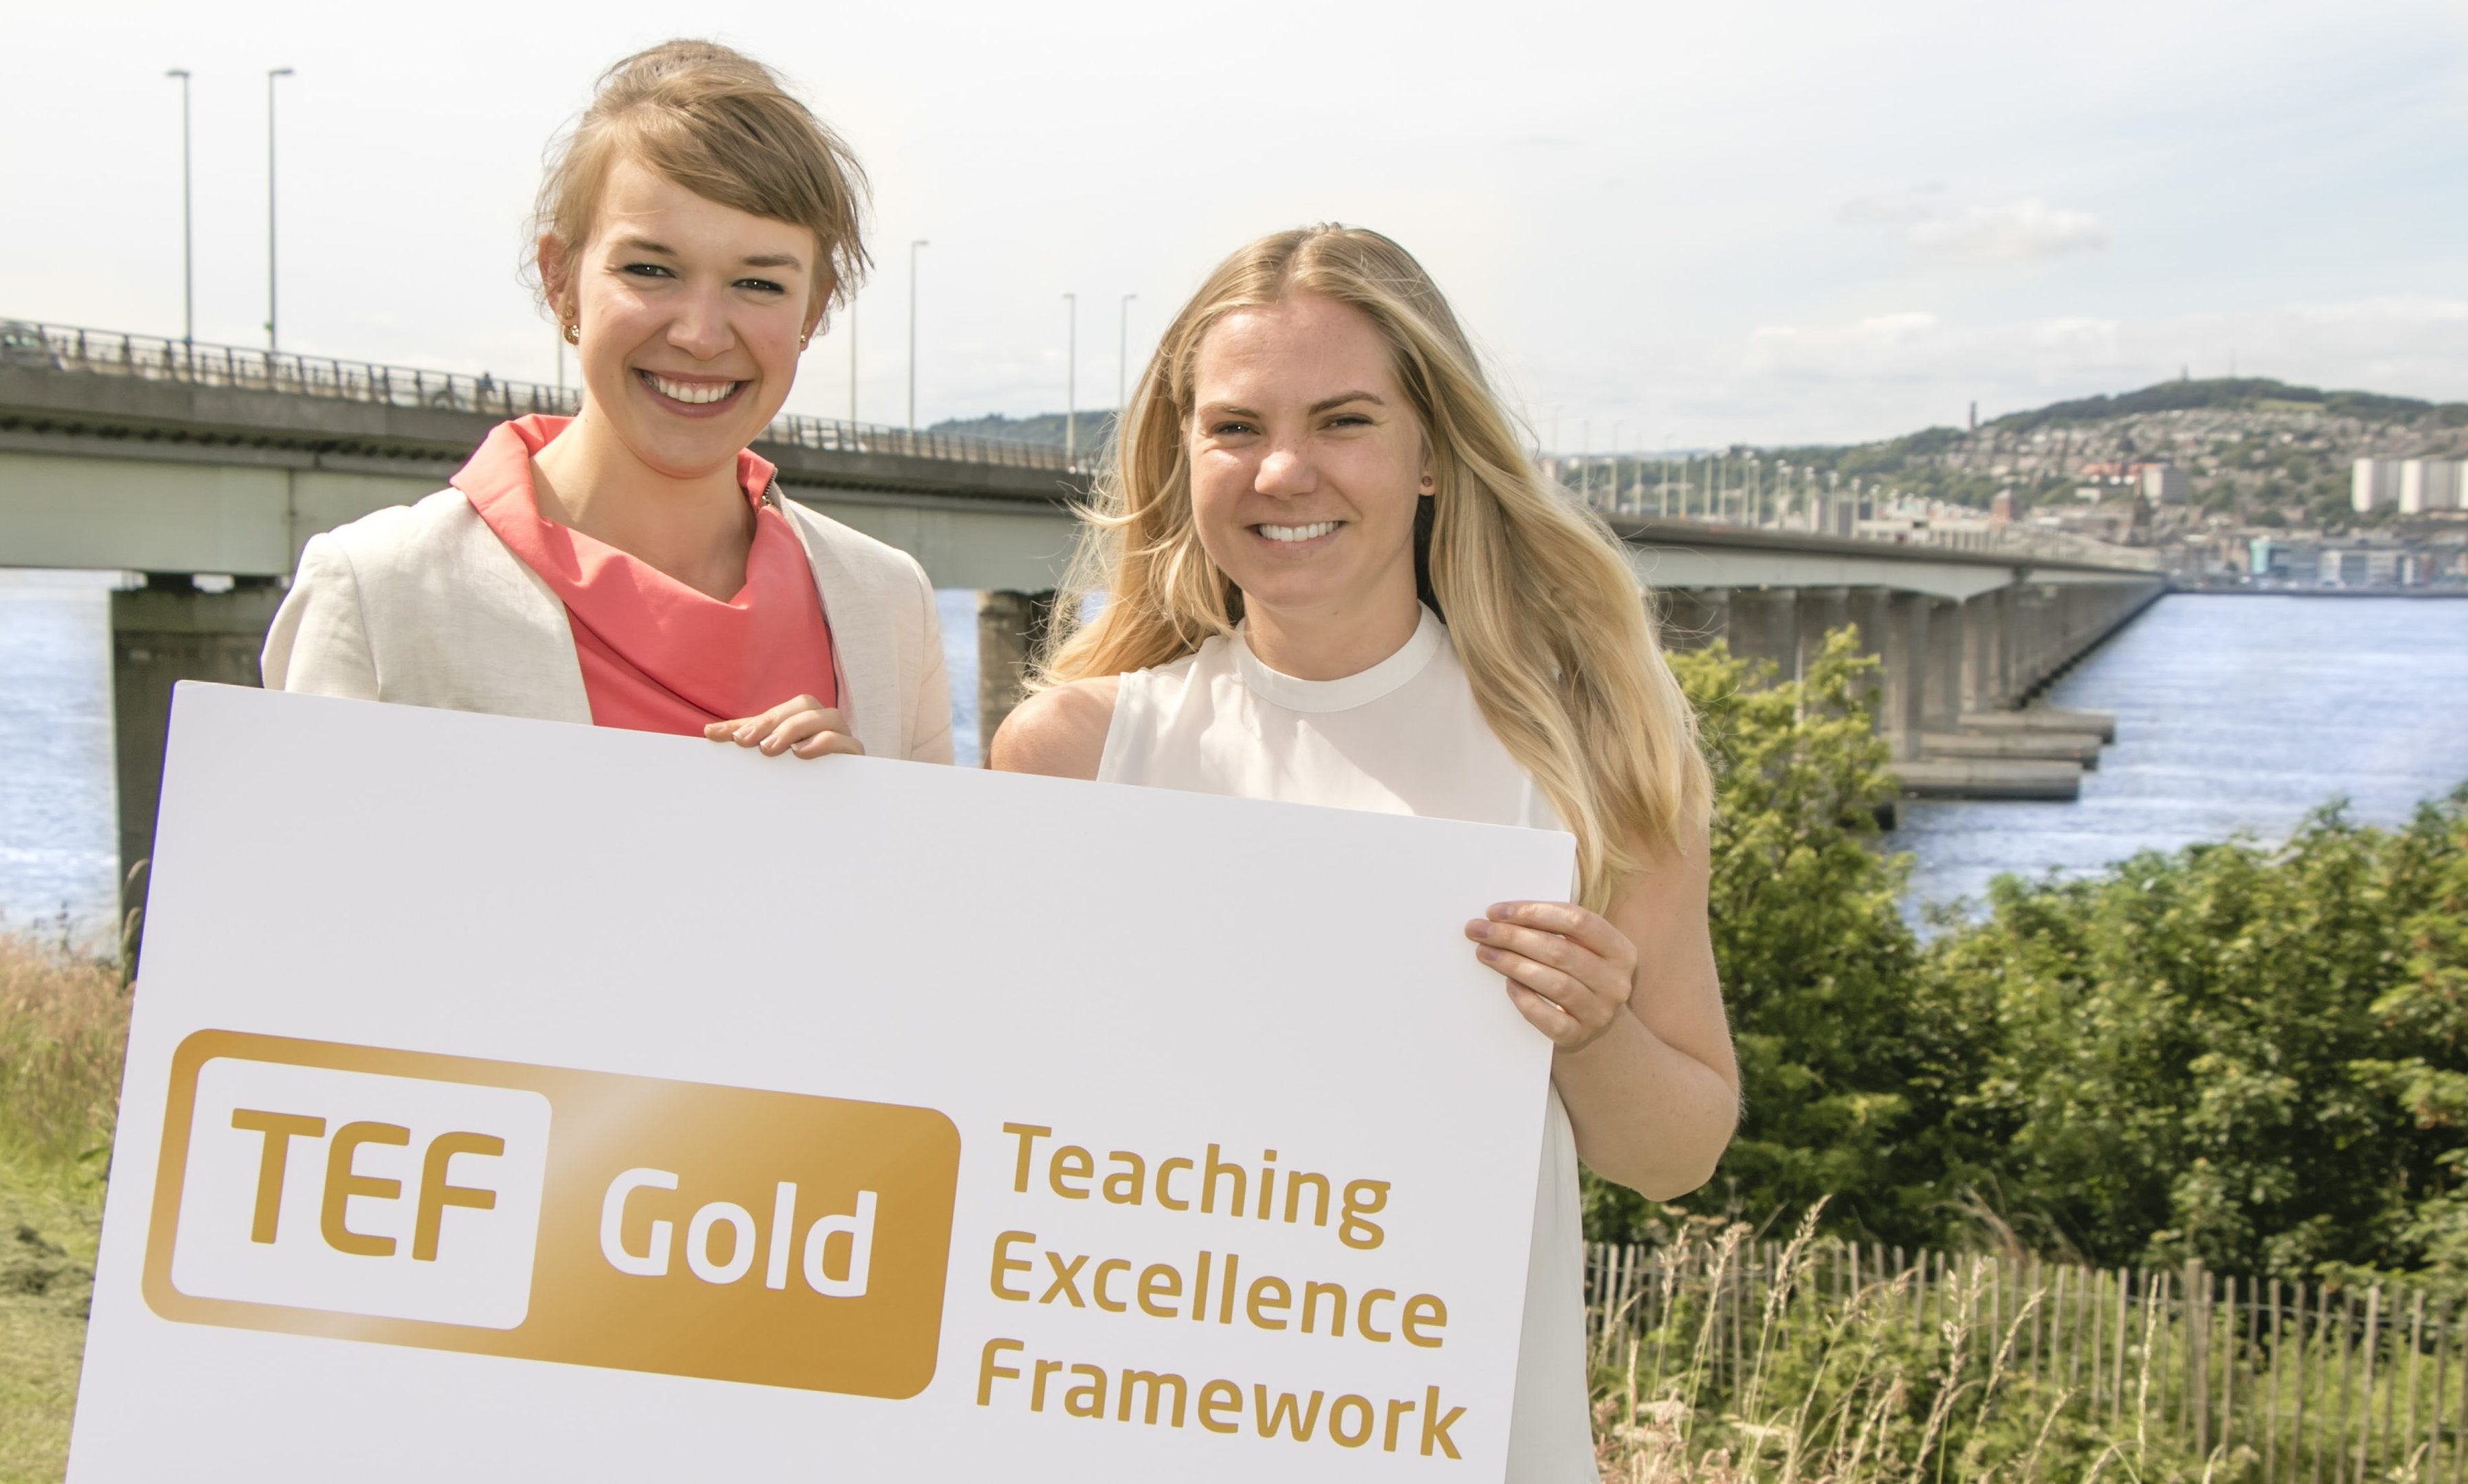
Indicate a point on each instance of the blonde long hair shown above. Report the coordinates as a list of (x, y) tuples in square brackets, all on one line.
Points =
[(1544, 613)]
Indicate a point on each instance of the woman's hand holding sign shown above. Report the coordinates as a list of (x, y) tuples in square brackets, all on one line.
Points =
[(1569, 971), (801, 724), (1627, 998)]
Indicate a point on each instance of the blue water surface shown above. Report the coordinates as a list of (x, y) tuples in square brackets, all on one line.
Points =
[(2234, 714)]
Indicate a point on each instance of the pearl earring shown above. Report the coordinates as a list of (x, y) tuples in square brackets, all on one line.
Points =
[(573, 335)]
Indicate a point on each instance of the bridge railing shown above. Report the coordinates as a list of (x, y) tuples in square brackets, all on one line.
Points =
[(153, 359), (2006, 540)]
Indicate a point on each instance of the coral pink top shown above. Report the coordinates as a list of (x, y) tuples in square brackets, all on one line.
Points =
[(656, 655)]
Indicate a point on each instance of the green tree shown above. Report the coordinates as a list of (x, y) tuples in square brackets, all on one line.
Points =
[(2209, 1053), (1846, 1082), (2253, 1055), (2426, 1008)]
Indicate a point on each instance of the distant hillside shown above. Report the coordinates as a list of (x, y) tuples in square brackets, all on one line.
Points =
[(1045, 430), (2236, 394), (2252, 446)]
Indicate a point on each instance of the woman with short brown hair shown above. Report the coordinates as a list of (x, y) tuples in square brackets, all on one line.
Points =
[(635, 566)]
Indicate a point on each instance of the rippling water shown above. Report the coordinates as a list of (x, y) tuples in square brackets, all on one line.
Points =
[(2232, 713), (59, 850)]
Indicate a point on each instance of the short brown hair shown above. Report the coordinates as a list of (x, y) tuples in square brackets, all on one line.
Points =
[(724, 125)]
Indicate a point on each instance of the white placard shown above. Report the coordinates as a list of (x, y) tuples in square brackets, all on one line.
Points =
[(509, 1100)]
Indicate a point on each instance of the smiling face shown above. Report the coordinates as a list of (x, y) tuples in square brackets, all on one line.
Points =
[(690, 316), (1307, 461)]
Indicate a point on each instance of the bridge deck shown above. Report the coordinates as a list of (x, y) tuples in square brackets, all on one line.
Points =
[(120, 451)]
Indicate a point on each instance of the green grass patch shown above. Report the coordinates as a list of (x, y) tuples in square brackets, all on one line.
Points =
[(50, 1215), (63, 1024)]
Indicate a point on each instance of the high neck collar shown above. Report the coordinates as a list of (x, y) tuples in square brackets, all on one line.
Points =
[(1348, 692), (502, 464)]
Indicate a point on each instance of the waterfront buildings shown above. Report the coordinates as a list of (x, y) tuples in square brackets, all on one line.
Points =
[(2416, 486), (2364, 560)]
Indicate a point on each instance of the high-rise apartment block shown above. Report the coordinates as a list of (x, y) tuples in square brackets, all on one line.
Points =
[(2429, 484), (2373, 483), (2414, 485)]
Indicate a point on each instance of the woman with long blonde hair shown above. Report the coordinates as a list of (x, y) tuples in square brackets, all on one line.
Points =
[(1331, 575)]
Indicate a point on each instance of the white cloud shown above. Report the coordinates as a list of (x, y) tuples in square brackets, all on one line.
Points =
[(2015, 230), (1885, 374), (2385, 314), (1929, 223), (1896, 208)]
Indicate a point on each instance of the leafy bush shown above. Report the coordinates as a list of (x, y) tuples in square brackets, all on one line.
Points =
[(2249, 1055), (2252, 1055), (1816, 962)]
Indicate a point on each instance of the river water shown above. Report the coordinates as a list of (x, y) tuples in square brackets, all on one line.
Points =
[(2234, 714)]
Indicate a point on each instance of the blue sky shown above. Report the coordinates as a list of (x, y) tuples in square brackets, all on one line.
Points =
[(1770, 222)]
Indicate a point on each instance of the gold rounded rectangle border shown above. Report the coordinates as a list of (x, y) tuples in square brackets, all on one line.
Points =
[(737, 1145)]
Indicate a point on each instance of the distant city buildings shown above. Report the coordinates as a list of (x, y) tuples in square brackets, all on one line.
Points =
[(2160, 484), (2415, 485), (2367, 559), (2166, 484)]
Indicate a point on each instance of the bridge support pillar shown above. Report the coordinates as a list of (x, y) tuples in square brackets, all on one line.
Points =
[(1984, 644), (2078, 610), (1764, 625), (1868, 610), (1692, 617), (1821, 611), (1903, 646), (1998, 607), (1941, 700), (1011, 636), (163, 632), (2038, 638)]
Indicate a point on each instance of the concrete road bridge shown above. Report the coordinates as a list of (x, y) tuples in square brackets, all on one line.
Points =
[(205, 469)]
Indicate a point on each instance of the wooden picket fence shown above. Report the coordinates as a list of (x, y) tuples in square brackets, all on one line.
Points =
[(2274, 1380)]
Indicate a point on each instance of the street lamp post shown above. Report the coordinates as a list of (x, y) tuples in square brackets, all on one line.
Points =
[(852, 330), (187, 230), (1618, 493), (1071, 383), (1123, 365), (271, 73), (912, 332)]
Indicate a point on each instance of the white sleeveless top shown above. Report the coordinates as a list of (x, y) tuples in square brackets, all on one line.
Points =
[(1403, 736)]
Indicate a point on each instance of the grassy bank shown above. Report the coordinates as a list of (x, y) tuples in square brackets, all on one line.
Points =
[(1723, 1358), (62, 1021)]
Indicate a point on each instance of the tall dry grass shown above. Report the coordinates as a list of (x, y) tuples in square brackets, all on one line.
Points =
[(1887, 1383), (63, 1026), (1724, 1361), (63, 1019)]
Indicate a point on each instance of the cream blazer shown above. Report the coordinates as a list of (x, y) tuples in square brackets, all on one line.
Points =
[(423, 605)]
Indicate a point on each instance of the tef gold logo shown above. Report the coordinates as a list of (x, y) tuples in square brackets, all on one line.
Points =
[(548, 1214)]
